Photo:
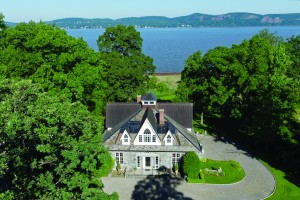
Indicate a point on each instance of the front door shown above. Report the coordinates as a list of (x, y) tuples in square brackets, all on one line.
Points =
[(147, 162)]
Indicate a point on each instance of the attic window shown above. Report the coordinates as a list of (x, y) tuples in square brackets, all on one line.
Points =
[(126, 138), (169, 139)]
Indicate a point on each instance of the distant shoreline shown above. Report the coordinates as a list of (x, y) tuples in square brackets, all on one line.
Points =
[(234, 19), (167, 73)]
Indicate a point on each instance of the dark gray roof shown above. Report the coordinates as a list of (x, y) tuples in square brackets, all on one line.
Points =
[(149, 97), (117, 112), (182, 113), (190, 136), (150, 116), (108, 133)]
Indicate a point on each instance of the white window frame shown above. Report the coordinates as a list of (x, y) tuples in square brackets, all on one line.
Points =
[(119, 157), (147, 136), (175, 158), (169, 139), (156, 160), (147, 133), (154, 138), (168, 134), (126, 138), (124, 142), (138, 162)]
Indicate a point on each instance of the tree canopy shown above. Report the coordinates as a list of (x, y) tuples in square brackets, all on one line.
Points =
[(60, 63), (50, 147), (126, 67), (247, 85)]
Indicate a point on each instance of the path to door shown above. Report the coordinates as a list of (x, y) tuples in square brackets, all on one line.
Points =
[(257, 184)]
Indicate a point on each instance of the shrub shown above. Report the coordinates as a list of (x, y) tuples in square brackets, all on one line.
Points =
[(191, 164), (107, 164), (199, 179)]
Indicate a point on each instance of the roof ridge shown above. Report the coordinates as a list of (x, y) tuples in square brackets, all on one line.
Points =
[(150, 116), (191, 138)]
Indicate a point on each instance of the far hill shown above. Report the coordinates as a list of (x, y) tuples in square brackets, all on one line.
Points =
[(194, 20)]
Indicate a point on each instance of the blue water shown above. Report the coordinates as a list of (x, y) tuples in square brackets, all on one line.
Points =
[(170, 47)]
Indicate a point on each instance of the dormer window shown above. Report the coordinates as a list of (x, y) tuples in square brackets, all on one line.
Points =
[(149, 99), (125, 138), (169, 139)]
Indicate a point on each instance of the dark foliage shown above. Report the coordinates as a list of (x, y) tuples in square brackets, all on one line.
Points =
[(191, 164)]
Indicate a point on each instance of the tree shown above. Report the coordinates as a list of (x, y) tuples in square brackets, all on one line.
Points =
[(246, 86), (51, 148), (293, 49), (127, 68), (60, 63), (2, 23)]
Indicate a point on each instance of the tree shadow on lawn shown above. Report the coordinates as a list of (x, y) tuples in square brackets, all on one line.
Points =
[(158, 187)]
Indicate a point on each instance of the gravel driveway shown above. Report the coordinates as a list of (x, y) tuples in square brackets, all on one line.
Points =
[(258, 183)]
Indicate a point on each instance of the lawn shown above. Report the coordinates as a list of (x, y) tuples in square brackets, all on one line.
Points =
[(166, 86), (232, 172), (284, 188)]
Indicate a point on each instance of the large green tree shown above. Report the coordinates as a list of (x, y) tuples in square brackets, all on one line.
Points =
[(293, 49), (59, 62), (127, 68), (246, 85), (51, 148), (2, 23)]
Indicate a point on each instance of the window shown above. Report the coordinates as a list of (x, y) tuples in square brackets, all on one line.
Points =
[(145, 102), (153, 138), (147, 136), (151, 102), (140, 138), (125, 138), (119, 158), (156, 162), (175, 158), (138, 162), (169, 139)]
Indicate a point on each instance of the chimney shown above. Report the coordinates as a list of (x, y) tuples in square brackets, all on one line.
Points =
[(138, 98), (161, 116)]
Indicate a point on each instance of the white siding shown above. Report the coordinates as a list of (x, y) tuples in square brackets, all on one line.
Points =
[(148, 126)]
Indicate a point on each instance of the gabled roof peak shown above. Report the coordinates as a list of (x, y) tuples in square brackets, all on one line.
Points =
[(149, 97)]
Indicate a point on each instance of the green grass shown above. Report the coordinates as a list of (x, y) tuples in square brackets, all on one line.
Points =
[(198, 127), (284, 188), (232, 172), (166, 87), (170, 80)]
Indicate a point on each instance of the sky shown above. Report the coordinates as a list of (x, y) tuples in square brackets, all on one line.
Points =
[(45, 10)]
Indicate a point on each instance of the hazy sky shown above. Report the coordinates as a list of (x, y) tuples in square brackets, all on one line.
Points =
[(36, 10)]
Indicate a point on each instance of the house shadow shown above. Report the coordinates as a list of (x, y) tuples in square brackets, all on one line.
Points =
[(158, 187)]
